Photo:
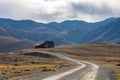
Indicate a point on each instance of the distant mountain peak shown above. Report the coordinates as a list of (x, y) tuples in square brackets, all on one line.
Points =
[(74, 21), (68, 31)]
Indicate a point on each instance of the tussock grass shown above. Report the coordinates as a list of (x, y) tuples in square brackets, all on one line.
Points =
[(8, 69), (35, 62), (107, 54), (104, 53)]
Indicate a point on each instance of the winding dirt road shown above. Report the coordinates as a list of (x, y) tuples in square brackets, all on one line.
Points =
[(90, 74), (84, 71)]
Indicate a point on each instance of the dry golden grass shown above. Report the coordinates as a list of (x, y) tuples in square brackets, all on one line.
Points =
[(27, 64), (17, 78), (104, 53), (8, 69)]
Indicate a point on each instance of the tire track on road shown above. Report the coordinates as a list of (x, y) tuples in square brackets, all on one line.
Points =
[(90, 74)]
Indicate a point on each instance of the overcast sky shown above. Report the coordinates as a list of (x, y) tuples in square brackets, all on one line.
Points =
[(59, 10)]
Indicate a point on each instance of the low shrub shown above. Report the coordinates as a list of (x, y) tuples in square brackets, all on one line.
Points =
[(48, 69), (118, 64)]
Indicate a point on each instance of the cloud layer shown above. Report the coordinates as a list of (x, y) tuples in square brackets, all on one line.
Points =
[(59, 10)]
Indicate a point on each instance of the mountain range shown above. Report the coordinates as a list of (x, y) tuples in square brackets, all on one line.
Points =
[(20, 34)]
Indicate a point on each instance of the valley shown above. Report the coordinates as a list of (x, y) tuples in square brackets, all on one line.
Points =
[(68, 32), (59, 39), (107, 54), (97, 43)]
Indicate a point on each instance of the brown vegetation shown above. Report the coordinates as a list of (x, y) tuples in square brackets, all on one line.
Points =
[(104, 53), (8, 44), (27, 63)]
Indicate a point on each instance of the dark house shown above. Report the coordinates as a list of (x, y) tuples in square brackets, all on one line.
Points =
[(46, 44)]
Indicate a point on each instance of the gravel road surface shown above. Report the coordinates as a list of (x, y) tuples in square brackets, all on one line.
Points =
[(83, 71)]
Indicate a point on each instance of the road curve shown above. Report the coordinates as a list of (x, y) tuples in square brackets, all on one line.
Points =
[(89, 74), (84, 71)]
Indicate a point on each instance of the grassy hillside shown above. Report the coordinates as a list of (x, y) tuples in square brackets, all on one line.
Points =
[(107, 54), (4, 32), (66, 32), (104, 53), (8, 44), (24, 63)]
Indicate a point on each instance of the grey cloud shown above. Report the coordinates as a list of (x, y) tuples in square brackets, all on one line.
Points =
[(74, 11), (50, 0), (87, 11), (58, 15), (91, 9), (15, 11), (43, 16), (5, 10)]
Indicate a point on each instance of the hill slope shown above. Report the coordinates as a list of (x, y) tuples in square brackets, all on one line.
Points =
[(107, 54), (65, 33), (8, 44), (34, 31), (107, 33)]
